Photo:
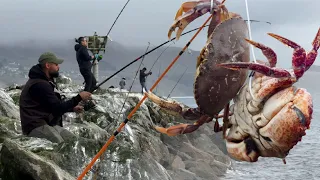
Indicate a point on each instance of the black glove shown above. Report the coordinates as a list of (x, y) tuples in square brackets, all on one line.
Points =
[(89, 105)]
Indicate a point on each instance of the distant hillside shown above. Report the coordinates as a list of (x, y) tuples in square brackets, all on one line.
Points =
[(116, 56)]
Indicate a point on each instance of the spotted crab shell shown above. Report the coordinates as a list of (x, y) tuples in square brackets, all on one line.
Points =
[(215, 86)]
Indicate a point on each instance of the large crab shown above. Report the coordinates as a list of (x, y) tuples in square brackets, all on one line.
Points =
[(266, 121), (271, 119), (214, 86)]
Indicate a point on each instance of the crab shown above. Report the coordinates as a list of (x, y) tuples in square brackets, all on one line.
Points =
[(268, 117), (214, 86), (271, 116)]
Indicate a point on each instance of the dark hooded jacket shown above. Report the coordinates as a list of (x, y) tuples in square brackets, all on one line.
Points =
[(40, 104), (142, 76), (83, 57)]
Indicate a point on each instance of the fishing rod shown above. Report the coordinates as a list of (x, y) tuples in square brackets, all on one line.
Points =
[(125, 100), (157, 60), (177, 82), (107, 36), (145, 53), (107, 79), (160, 56), (106, 145)]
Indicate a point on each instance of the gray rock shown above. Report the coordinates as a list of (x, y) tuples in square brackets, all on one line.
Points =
[(137, 152), (178, 163), (62, 79), (20, 163), (7, 106)]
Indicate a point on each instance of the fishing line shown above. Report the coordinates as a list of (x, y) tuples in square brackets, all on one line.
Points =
[(252, 49), (177, 82), (161, 54)]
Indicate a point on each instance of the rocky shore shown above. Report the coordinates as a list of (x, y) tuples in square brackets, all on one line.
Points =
[(138, 152)]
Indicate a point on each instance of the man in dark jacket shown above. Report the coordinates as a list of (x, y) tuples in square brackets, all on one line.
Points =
[(41, 108), (85, 64), (142, 78)]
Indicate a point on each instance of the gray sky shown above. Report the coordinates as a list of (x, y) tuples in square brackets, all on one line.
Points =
[(149, 20)]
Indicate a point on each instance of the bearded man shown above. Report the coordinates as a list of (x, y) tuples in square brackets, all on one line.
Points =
[(41, 106)]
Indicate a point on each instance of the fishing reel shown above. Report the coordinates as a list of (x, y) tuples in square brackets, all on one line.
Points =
[(89, 105)]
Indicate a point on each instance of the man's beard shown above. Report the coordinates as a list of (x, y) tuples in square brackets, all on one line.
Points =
[(54, 74)]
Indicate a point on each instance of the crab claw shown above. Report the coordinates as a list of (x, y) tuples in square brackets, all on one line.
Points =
[(173, 130), (312, 55), (193, 9), (268, 52), (185, 7), (183, 128), (299, 55)]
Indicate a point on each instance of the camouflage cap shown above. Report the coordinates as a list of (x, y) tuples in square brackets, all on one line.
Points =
[(49, 57)]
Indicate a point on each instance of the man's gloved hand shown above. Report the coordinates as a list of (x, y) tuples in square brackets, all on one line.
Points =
[(150, 72), (98, 57)]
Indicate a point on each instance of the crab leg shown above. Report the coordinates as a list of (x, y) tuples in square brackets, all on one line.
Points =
[(261, 68), (174, 108), (268, 52), (312, 55), (184, 128), (300, 61), (194, 9), (225, 120), (299, 55), (186, 6)]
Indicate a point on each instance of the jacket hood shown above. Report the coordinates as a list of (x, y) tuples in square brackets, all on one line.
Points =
[(77, 47), (37, 73)]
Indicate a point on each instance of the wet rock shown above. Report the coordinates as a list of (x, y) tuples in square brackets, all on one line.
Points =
[(184, 174), (62, 79), (178, 163), (7, 106), (20, 163)]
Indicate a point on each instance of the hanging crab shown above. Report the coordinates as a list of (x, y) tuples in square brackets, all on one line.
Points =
[(214, 86), (272, 120), (267, 122)]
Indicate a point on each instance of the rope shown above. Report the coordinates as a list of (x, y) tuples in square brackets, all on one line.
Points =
[(252, 49), (138, 105)]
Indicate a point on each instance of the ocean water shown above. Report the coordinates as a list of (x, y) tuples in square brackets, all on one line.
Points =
[(303, 161)]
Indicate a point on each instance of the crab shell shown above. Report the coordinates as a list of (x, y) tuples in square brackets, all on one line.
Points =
[(215, 86), (272, 130)]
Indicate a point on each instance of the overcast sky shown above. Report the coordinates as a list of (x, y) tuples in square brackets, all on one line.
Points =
[(149, 20)]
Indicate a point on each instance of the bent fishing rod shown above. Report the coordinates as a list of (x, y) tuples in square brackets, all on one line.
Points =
[(107, 79), (106, 145), (125, 100), (107, 36)]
